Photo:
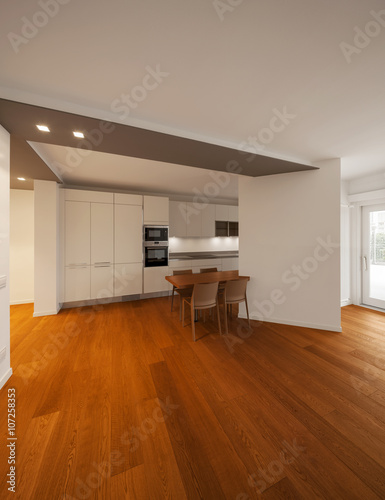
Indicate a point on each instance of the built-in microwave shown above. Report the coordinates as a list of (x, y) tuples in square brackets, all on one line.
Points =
[(156, 233), (155, 253)]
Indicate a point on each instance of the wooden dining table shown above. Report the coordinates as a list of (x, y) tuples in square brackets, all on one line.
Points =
[(189, 280)]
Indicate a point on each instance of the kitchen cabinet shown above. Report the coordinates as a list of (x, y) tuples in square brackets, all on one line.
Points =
[(77, 233), (128, 279), (233, 214), (193, 221), (102, 233), (77, 283), (230, 264), (102, 284), (102, 244), (226, 220), (128, 234), (154, 279), (155, 210), (208, 221), (197, 265), (177, 219), (128, 199), (221, 212)]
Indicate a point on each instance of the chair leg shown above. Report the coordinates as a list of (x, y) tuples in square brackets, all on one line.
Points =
[(247, 310), (172, 297), (182, 305), (192, 321), (219, 318), (181, 301), (226, 322)]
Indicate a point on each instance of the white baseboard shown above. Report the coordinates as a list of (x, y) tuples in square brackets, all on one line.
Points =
[(346, 302), (4, 379), (20, 302), (329, 328)]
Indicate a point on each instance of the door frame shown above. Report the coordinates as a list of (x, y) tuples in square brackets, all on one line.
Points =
[(356, 202), (365, 253)]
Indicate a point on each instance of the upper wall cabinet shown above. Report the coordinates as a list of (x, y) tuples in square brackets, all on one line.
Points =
[(208, 221), (233, 214), (177, 219), (155, 210), (191, 220), (221, 212)]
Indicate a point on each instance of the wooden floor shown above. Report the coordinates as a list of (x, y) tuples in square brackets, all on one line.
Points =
[(118, 402)]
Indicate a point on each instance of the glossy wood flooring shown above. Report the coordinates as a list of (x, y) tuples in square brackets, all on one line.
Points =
[(118, 402)]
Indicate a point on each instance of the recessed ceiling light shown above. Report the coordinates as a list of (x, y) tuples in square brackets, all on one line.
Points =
[(80, 135), (43, 128), (20, 179)]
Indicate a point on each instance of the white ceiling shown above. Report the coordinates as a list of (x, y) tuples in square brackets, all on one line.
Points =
[(228, 74)]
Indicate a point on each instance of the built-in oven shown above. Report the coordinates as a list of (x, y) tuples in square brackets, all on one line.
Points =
[(155, 233), (155, 253)]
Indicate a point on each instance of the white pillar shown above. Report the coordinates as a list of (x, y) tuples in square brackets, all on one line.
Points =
[(46, 296)]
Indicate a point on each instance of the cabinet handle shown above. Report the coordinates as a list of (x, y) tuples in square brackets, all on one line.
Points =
[(102, 264), (83, 264)]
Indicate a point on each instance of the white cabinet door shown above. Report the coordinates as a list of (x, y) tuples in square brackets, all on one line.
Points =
[(194, 221), (155, 210), (128, 199), (102, 233), (208, 221), (128, 279), (177, 219), (154, 279), (230, 264), (77, 283), (102, 283), (128, 234), (222, 212), (233, 214), (77, 232)]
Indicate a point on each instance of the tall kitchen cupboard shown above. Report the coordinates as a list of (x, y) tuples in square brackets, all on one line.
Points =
[(88, 245), (128, 221)]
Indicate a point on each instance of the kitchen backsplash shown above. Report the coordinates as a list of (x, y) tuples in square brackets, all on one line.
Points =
[(203, 244)]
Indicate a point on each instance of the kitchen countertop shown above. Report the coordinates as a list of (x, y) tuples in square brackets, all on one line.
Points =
[(202, 255)]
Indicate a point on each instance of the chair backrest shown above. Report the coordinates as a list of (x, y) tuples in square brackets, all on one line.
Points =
[(209, 270), (182, 271), (235, 290), (205, 294)]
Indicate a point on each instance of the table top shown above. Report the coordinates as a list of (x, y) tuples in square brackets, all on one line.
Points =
[(188, 280)]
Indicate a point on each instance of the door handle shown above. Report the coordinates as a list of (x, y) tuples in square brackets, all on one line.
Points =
[(365, 263)]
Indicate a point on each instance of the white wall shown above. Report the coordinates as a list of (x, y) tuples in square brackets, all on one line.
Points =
[(345, 246), (46, 248), (203, 244), (5, 365), (21, 246), (289, 245)]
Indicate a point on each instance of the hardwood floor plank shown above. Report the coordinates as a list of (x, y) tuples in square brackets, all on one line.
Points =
[(161, 469), (196, 471), (131, 484)]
